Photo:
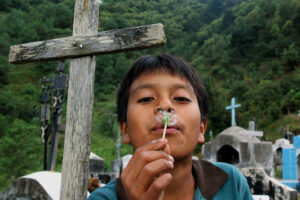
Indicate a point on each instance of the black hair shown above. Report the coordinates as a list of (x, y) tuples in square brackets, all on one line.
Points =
[(165, 62)]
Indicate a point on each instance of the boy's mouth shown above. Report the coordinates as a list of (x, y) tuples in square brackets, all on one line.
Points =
[(171, 129)]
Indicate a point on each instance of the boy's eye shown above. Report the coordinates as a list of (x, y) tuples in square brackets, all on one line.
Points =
[(145, 99), (182, 99)]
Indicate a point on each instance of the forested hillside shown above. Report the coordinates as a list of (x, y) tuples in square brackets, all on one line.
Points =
[(247, 49)]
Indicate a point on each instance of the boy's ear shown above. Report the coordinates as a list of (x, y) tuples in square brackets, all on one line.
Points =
[(203, 125), (124, 129)]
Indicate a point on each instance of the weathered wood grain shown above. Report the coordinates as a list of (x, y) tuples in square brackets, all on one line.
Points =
[(93, 44), (77, 147)]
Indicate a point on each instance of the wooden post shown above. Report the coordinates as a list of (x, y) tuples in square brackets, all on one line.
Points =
[(79, 109), (83, 46)]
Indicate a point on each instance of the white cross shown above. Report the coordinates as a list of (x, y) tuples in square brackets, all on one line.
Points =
[(252, 133), (232, 107)]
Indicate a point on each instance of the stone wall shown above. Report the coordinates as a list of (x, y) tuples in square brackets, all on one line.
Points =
[(260, 183)]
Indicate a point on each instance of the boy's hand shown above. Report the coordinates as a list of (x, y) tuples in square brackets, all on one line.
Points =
[(143, 178)]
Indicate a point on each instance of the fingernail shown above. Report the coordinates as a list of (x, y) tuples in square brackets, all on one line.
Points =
[(171, 158), (161, 140), (157, 141), (170, 163), (154, 141)]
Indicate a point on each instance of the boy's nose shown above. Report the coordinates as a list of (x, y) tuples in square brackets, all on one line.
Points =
[(169, 110), (164, 105)]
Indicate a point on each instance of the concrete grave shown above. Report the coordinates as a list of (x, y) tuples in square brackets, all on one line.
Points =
[(97, 169), (231, 147), (117, 167), (96, 165), (281, 144), (262, 184), (125, 160), (39, 185), (261, 197), (291, 164), (277, 151), (46, 184)]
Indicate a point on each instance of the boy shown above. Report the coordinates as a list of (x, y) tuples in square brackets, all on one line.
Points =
[(163, 168)]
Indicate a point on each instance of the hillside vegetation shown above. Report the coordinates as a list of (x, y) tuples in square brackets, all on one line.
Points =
[(247, 49)]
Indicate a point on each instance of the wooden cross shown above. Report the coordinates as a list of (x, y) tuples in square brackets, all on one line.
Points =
[(82, 48)]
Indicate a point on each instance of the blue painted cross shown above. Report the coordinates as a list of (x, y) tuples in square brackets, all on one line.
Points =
[(232, 107)]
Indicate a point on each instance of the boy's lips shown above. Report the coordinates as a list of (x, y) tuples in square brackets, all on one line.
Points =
[(159, 129)]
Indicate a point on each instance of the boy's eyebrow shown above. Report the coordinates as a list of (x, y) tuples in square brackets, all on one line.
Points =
[(143, 86), (175, 86), (183, 86)]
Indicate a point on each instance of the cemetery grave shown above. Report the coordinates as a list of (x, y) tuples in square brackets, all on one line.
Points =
[(45, 185), (255, 158)]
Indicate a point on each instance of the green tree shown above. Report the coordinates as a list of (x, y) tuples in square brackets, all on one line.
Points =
[(22, 148)]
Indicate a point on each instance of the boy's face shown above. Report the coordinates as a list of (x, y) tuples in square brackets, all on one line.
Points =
[(161, 90)]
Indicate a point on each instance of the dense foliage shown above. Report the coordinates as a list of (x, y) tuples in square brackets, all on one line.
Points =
[(248, 49)]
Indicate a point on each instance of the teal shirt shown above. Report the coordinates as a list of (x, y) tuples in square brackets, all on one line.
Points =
[(235, 187)]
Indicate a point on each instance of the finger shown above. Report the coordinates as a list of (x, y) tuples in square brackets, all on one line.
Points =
[(143, 155), (158, 186), (144, 158), (152, 146), (155, 145), (151, 171), (167, 149)]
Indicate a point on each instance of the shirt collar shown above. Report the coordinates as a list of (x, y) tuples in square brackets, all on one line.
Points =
[(208, 178)]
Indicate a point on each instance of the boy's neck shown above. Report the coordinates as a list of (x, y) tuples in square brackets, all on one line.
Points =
[(183, 183)]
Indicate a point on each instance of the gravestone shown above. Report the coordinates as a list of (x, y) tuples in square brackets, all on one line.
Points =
[(291, 164), (96, 164), (251, 133), (261, 183), (261, 197), (125, 160), (281, 144), (277, 151), (97, 169), (42, 185), (117, 166)]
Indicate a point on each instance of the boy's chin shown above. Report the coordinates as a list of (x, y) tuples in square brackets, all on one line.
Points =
[(179, 154), (182, 157)]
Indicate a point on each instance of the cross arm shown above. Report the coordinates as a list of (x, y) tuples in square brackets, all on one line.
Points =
[(234, 106), (252, 133), (105, 42)]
